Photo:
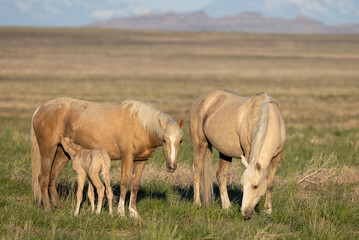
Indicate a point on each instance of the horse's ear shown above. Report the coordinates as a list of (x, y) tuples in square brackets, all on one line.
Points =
[(258, 166), (180, 123), (244, 161), (163, 124)]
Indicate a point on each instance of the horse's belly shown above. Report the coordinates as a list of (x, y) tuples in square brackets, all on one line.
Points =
[(225, 140)]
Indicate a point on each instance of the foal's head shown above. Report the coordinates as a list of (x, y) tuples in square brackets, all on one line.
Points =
[(172, 138), (67, 143), (254, 182)]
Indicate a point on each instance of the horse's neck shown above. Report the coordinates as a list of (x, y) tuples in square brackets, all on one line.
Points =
[(269, 142), (156, 139), (259, 126)]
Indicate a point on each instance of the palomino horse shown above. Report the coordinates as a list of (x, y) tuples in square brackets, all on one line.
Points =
[(236, 126), (130, 131)]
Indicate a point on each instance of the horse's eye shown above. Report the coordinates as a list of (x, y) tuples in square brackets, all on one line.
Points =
[(164, 140), (181, 141), (255, 186)]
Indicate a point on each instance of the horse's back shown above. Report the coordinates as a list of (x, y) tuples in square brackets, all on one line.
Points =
[(89, 124), (92, 125), (228, 118)]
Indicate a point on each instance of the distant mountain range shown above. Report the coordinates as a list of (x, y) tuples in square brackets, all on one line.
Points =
[(67, 13), (330, 12), (241, 22)]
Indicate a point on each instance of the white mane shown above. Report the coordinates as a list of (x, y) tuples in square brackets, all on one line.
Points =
[(259, 129), (148, 116)]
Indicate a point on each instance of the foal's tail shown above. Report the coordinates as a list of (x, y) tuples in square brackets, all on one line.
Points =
[(206, 178), (35, 162)]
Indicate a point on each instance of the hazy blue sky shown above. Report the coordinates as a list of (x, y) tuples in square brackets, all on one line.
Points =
[(80, 12)]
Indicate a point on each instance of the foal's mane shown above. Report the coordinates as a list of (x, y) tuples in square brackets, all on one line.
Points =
[(148, 116), (259, 129)]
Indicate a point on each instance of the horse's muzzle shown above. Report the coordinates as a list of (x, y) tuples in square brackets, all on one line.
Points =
[(246, 217), (247, 214), (170, 168)]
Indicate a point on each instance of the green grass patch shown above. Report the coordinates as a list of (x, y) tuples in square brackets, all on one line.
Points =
[(326, 211)]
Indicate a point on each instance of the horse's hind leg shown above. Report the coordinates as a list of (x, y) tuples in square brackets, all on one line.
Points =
[(91, 196), (58, 165), (271, 172), (221, 174), (199, 152), (48, 153), (100, 189), (138, 167)]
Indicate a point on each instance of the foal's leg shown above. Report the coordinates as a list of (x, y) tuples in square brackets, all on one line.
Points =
[(91, 196), (125, 180), (100, 189), (271, 172), (109, 193), (138, 167), (58, 165), (221, 174), (81, 177)]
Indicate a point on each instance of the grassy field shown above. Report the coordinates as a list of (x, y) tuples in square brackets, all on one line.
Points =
[(315, 80)]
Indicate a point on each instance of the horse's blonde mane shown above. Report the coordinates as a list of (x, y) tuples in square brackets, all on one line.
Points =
[(148, 116), (259, 129)]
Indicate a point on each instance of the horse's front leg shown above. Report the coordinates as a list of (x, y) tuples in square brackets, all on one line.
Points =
[(138, 167), (125, 180), (221, 174), (271, 172)]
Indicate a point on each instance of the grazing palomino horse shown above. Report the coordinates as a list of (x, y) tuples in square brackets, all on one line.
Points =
[(236, 126), (130, 131), (88, 164)]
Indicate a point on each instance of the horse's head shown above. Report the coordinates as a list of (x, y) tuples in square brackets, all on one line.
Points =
[(172, 138), (254, 182)]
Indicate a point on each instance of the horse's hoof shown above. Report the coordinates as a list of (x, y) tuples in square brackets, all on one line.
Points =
[(268, 210), (226, 206), (133, 213), (47, 209), (121, 213), (58, 206)]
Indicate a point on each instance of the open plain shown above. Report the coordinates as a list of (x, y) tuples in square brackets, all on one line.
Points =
[(314, 79)]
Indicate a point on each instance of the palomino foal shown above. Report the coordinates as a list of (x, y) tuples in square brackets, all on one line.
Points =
[(89, 163)]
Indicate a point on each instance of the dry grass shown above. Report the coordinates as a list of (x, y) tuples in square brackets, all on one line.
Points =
[(314, 78), (320, 171)]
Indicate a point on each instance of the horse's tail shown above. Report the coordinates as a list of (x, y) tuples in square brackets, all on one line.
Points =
[(35, 162), (206, 178)]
